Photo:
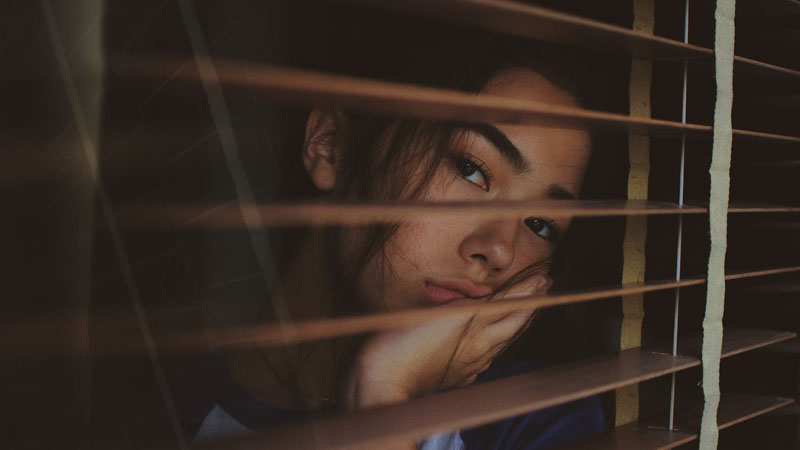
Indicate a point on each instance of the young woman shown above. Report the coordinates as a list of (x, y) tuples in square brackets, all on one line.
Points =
[(422, 263)]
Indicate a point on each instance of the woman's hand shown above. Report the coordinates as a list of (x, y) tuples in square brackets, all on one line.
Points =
[(398, 365)]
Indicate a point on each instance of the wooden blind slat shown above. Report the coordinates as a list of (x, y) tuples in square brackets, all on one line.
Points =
[(490, 401), (789, 410), (535, 22), (648, 435), (37, 347), (321, 89), (760, 273), (790, 346), (735, 341), (276, 214), (757, 135), (634, 437), (754, 68), (227, 215), (274, 334), (741, 407), (476, 405), (751, 208)]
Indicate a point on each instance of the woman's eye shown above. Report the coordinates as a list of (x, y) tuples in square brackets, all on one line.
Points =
[(543, 227), (473, 172)]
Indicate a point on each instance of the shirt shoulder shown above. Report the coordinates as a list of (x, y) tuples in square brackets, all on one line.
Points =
[(540, 429)]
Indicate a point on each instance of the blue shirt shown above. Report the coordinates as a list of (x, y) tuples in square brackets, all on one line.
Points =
[(236, 413)]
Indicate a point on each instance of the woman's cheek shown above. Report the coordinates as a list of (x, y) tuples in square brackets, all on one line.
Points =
[(531, 252), (422, 244), (417, 252)]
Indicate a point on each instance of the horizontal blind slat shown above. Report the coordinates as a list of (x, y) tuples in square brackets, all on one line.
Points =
[(229, 214), (274, 334), (536, 22), (790, 346), (754, 67), (288, 214), (648, 435), (194, 342), (490, 401), (321, 89)]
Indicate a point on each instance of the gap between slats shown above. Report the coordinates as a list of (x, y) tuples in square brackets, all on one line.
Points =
[(490, 401)]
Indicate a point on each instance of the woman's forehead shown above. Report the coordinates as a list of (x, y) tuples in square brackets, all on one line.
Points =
[(527, 84), (556, 152)]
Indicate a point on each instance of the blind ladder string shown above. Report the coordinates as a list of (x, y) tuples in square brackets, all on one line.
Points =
[(680, 221)]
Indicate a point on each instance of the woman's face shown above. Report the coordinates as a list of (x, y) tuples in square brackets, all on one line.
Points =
[(436, 261)]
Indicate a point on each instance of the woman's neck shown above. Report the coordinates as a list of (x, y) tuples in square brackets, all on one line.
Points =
[(303, 375)]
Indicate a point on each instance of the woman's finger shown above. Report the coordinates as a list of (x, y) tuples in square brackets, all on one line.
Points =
[(507, 328), (536, 285)]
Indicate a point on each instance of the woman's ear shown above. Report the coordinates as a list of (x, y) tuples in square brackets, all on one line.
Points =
[(322, 147)]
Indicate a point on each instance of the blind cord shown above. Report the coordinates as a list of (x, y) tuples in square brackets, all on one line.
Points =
[(680, 221)]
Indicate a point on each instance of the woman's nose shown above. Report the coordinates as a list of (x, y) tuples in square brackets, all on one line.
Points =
[(491, 245)]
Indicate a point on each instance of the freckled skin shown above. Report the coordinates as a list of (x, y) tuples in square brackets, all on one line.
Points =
[(486, 252)]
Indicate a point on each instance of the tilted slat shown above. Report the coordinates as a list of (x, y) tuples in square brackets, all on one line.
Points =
[(760, 273), (477, 404), (276, 334), (790, 346), (766, 137), (758, 69), (741, 407), (317, 88), (737, 207), (322, 89), (535, 22), (789, 410), (490, 401), (735, 341), (733, 409), (634, 437), (230, 214), (37, 347)]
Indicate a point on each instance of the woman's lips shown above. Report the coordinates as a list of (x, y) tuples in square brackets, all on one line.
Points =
[(446, 291)]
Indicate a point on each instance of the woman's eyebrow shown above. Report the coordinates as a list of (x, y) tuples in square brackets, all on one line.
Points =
[(500, 141), (556, 192)]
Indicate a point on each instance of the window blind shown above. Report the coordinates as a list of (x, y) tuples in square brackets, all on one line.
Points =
[(137, 225)]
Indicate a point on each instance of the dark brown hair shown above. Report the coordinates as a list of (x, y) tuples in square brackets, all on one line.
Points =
[(382, 154)]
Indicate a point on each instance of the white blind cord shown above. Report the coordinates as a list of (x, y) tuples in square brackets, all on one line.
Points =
[(680, 221)]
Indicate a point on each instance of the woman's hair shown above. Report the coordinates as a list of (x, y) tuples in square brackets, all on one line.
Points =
[(387, 158), (381, 156)]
